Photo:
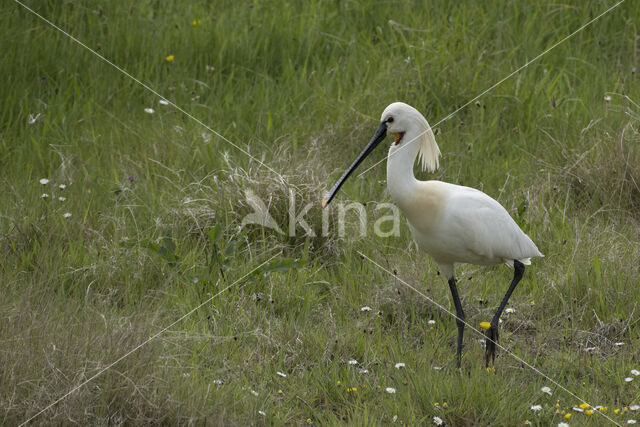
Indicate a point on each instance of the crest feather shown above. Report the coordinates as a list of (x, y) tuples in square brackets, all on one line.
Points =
[(429, 150)]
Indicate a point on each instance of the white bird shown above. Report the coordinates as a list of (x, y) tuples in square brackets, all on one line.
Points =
[(452, 223)]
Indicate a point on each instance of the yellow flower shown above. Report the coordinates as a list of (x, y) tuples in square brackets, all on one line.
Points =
[(436, 404), (444, 405), (485, 325), (354, 388), (567, 416), (490, 369), (170, 58), (603, 409), (615, 411), (338, 383), (527, 422), (280, 391), (196, 22), (584, 405), (588, 412), (309, 420)]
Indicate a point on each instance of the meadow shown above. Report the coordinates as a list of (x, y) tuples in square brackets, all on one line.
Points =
[(121, 216)]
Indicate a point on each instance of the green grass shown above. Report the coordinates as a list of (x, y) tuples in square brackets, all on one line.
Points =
[(301, 85)]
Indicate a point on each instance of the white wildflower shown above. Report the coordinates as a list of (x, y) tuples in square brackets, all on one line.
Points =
[(352, 362), (437, 421), (577, 409), (45, 196), (509, 310), (536, 408), (32, 119), (390, 390), (264, 414), (255, 393), (163, 102), (400, 365), (365, 308), (44, 181), (62, 199), (282, 374), (631, 421), (62, 186), (618, 344), (67, 215), (607, 98), (149, 110), (628, 379), (634, 407), (635, 372), (431, 322)]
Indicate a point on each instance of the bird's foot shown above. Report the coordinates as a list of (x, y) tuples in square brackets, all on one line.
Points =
[(491, 335)]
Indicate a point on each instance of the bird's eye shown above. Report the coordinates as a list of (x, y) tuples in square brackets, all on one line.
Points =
[(390, 120)]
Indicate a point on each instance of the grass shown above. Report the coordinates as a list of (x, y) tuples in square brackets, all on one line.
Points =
[(157, 203)]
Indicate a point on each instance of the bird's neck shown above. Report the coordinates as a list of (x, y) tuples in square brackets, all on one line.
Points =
[(400, 178)]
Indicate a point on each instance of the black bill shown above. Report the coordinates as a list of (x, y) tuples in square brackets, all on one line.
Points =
[(380, 134)]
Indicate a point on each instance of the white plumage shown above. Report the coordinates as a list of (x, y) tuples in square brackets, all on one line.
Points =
[(452, 223)]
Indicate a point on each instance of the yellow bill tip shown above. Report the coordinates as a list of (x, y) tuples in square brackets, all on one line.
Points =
[(485, 325)]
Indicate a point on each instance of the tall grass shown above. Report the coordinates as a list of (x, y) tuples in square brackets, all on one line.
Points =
[(300, 87)]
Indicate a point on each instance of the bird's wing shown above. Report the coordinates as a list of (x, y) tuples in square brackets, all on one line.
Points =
[(485, 227)]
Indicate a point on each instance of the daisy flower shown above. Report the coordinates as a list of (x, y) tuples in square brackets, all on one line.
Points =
[(390, 390)]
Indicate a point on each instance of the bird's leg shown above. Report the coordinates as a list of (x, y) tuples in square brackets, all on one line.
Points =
[(459, 316), (491, 334)]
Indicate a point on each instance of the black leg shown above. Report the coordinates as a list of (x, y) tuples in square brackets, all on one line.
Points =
[(492, 333), (459, 316)]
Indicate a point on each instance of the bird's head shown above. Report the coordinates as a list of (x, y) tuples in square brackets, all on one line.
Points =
[(410, 128)]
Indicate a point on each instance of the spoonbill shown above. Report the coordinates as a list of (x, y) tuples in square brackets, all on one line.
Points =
[(452, 223)]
